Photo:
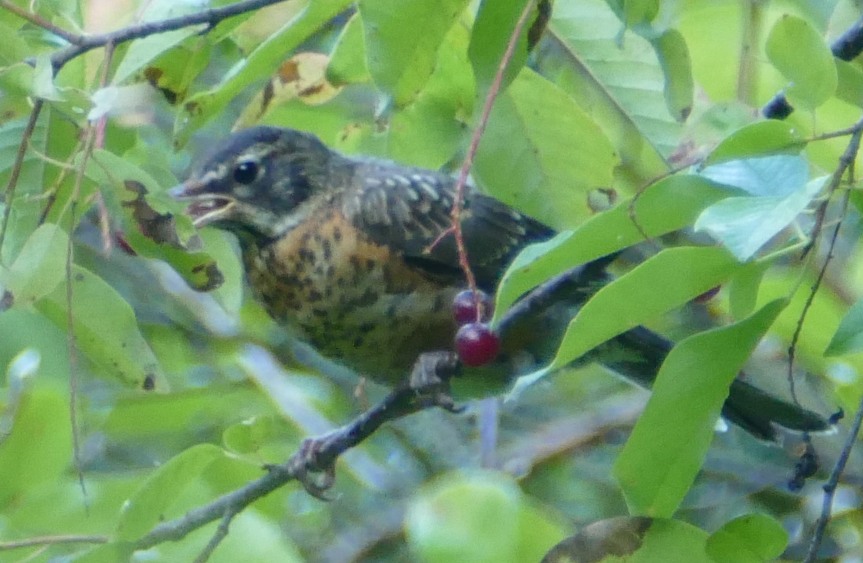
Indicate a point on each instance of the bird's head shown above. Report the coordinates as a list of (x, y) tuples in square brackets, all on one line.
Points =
[(253, 181)]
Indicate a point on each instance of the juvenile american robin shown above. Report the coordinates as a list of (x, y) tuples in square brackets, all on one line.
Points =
[(346, 251)]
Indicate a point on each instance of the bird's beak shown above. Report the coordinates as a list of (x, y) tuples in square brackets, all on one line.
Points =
[(205, 207), (184, 191)]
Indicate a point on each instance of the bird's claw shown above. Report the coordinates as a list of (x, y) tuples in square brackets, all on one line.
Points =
[(430, 379), (316, 476)]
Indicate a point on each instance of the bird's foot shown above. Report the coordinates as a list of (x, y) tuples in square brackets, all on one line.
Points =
[(430, 379), (316, 473)]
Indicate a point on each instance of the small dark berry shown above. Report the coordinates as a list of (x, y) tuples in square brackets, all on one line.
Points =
[(476, 344), (464, 307)]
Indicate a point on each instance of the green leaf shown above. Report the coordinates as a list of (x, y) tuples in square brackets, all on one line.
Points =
[(15, 49), (849, 87), (848, 338), (260, 63), (175, 70), (668, 205), (670, 48), (402, 38), (28, 200), (751, 538), (105, 330), (42, 418), (673, 55), (743, 289), (618, 79), (149, 232), (149, 504), (799, 52), (430, 130), (778, 175), (634, 298), (43, 81), (144, 51), (758, 139), (542, 154), (248, 436), (495, 22), (745, 224), (639, 12), (348, 58), (39, 267), (666, 449), (478, 517)]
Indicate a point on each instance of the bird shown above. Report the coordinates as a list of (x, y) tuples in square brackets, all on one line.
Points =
[(352, 253)]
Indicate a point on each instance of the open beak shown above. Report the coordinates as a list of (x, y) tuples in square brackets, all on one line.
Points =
[(205, 207)]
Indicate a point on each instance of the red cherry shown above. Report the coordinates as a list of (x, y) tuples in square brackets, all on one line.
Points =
[(464, 306), (476, 344)]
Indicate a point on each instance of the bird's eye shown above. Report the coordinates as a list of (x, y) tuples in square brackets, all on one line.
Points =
[(246, 172)]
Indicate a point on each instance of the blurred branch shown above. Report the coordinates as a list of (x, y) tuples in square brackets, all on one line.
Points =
[(51, 540)]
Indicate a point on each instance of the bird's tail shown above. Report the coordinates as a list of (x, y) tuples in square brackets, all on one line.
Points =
[(640, 352)]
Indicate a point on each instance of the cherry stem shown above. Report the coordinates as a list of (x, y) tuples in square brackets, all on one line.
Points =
[(466, 166)]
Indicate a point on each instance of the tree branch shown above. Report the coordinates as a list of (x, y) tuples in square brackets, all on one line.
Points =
[(81, 44), (317, 456)]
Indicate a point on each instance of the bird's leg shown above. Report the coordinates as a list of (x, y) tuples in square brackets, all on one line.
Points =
[(314, 470), (430, 379), (314, 464)]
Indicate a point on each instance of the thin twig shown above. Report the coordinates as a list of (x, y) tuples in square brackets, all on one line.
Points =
[(832, 483), (17, 165), (39, 21), (210, 17), (89, 143), (221, 533), (71, 343), (633, 216), (846, 161)]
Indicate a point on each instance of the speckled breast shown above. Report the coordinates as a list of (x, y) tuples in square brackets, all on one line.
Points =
[(351, 298)]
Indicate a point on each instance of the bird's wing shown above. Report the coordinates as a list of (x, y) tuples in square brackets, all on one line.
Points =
[(409, 209)]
